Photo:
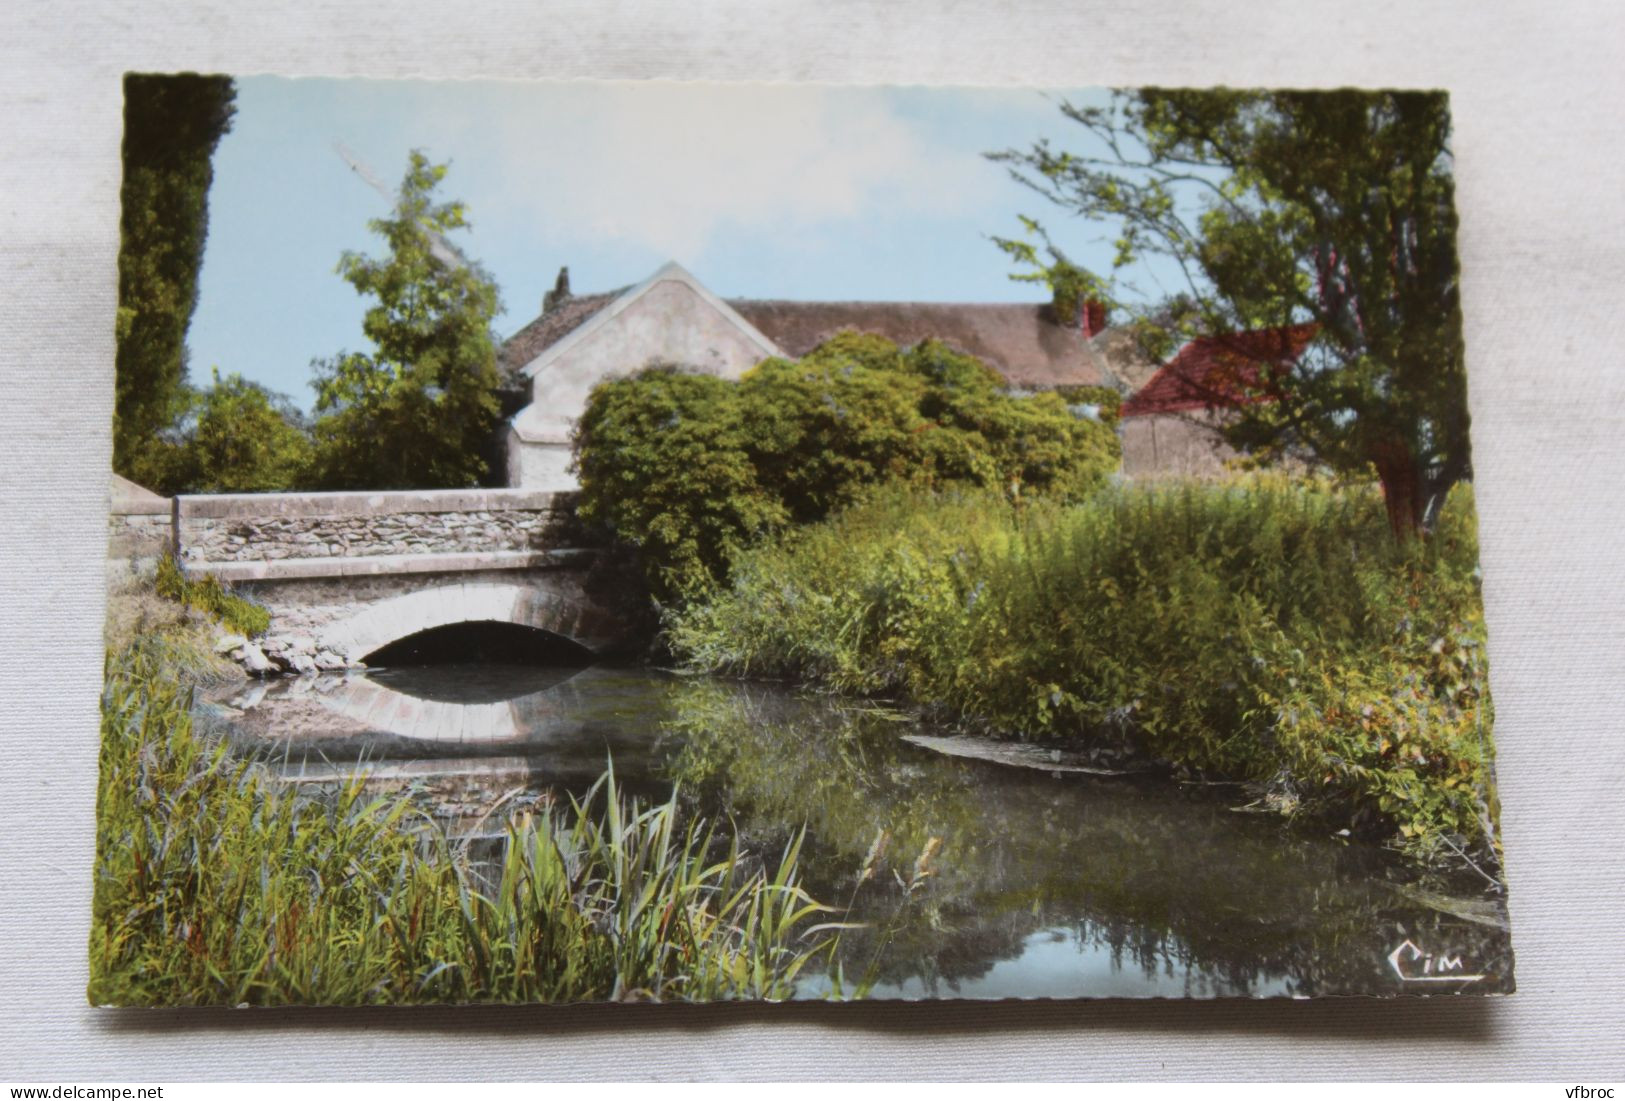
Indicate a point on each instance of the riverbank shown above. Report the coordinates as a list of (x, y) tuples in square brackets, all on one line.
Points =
[(215, 886), (1269, 631)]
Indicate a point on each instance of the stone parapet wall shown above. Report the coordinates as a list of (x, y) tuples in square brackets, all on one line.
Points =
[(344, 574), (272, 527), (138, 537), (140, 529)]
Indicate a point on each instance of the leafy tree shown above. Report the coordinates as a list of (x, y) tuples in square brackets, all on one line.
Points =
[(691, 469), (171, 127), (989, 437), (665, 462), (845, 416), (1328, 210), (242, 438), (858, 410), (1071, 285), (419, 409)]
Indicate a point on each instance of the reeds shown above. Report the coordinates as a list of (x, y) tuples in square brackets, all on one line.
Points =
[(215, 886)]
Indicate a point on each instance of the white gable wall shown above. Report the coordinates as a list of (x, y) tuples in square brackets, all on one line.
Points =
[(669, 319), (539, 465)]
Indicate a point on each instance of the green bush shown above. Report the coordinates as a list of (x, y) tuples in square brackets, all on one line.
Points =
[(693, 469), (1261, 630), (207, 594), (665, 463)]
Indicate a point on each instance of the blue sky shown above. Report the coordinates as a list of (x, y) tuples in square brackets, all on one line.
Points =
[(764, 191)]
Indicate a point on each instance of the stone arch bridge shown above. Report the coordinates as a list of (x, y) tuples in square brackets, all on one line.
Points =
[(344, 574)]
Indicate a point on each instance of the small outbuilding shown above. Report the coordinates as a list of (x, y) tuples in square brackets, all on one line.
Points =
[(1173, 425)]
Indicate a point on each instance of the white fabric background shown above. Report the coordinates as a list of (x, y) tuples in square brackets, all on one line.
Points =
[(1538, 93)]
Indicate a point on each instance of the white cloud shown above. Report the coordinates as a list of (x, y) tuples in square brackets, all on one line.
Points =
[(672, 166)]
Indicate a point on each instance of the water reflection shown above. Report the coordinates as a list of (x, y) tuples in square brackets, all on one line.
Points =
[(1042, 885), (466, 732), (464, 684)]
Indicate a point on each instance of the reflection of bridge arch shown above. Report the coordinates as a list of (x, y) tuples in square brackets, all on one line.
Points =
[(394, 618), (379, 707)]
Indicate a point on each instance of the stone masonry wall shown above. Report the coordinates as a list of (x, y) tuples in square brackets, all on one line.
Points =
[(137, 537), (139, 529), (345, 573), (254, 540), (273, 527)]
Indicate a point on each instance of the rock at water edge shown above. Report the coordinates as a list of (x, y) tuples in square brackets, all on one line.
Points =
[(255, 661)]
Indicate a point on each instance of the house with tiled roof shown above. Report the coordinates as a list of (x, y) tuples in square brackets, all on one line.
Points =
[(578, 341), (1171, 426), (1171, 416)]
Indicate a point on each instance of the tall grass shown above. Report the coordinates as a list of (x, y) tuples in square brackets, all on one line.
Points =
[(1268, 630), (209, 595), (215, 886)]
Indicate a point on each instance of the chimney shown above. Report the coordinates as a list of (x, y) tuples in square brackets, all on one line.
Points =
[(560, 291), (1092, 318)]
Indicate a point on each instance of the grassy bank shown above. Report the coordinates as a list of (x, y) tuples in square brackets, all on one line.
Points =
[(216, 886), (1269, 631)]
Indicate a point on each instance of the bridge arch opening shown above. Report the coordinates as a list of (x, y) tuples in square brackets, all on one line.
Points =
[(485, 641), (556, 614), (476, 662)]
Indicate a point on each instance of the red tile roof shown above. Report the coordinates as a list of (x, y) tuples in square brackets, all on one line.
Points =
[(1217, 371)]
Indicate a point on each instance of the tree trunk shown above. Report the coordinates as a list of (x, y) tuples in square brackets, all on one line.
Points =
[(1402, 490)]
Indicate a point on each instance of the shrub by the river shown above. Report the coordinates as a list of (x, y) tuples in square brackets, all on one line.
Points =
[(691, 469), (213, 885), (1266, 630), (207, 594)]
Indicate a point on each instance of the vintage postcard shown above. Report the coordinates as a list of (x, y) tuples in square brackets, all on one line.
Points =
[(682, 542)]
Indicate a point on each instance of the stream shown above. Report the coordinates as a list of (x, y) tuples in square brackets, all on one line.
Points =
[(1046, 882)]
